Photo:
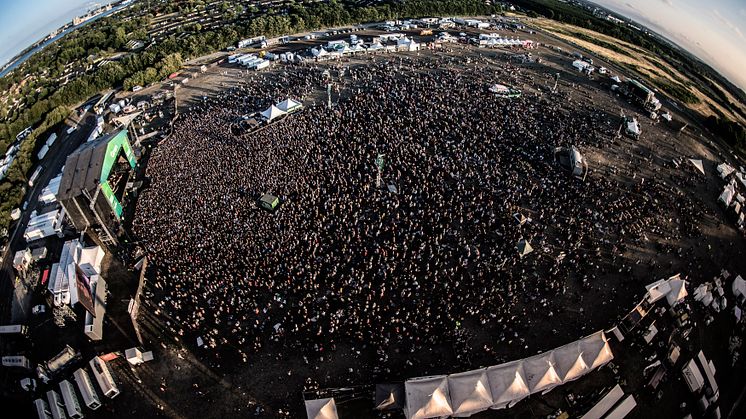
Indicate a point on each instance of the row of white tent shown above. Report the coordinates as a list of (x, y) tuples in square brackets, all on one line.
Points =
[(501, 386), (497, 387), (285, 107), (404, 44)]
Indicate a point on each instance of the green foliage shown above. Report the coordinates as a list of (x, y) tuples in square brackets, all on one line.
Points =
[(111, 34), (677, 91), (731, 132)]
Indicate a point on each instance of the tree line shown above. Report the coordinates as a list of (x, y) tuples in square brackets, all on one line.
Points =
[(48, 103)]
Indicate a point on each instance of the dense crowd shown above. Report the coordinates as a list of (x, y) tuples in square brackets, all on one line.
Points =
[(403, 264)]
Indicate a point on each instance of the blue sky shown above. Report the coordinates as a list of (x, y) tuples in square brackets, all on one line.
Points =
[(23, 22), (713, 30)]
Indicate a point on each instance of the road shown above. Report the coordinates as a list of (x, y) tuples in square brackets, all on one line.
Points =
[(52, 163)]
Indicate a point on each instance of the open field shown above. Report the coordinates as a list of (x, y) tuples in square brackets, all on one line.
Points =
[(636, 59)]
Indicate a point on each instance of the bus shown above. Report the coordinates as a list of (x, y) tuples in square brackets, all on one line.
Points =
[(90, 398), (35, 175), (104, 378)]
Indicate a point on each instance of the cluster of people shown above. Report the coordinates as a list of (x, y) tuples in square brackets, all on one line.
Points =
[(400, 207)]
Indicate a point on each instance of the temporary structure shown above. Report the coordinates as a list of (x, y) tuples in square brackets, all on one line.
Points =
[(541, 375), (321, 409), (605, 404), (389, 396), (739, 288), (289, 105), (595, 350), (507, 384), (724, 169), (427, 397), (524, 247), (570, 364), (273, 112), (470, 392), (726, 197), (678, 290), (657, 290), (698, 164)]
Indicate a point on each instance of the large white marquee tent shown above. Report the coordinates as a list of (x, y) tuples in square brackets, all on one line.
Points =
[(501, 386)]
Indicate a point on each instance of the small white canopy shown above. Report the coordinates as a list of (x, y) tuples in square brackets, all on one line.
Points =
[(595, 350), (524, 247), (272, 112), (725, 169), (319, 52), (289, 105), (507, 384), (321, 409), (633, 127), (698, 164), (678, 290), (657, 290), (739, 287), (616, 79), (541, 375), (726, 197), (470, 392), (427, 397), (570, 364)]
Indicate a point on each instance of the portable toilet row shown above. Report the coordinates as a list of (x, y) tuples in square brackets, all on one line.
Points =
[(52, 407)]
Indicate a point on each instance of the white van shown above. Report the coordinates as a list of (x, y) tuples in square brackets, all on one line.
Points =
[(90, 398)]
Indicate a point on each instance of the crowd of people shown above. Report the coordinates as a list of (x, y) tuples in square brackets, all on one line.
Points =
[(404, 263)]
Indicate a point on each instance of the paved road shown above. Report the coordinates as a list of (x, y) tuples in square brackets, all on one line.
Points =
[(52, 163)]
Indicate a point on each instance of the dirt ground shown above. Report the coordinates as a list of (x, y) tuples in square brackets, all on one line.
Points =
[(179, 384)]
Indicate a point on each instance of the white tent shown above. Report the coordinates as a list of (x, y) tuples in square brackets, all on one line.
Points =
[(470, 392), (540, 373), (507, 384), (657, 290), (678, 290), (727, 195), (289, 105), (321, 409), (319, 53), (375, 46), (427, 397), (407, 44), (633, 127), (698, 164), (272, 112), (739, 287), (524, 247), (724, 169), (570, 364), (595, 350)]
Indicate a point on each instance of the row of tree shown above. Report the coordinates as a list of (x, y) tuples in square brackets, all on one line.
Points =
[(159, 59)]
